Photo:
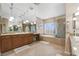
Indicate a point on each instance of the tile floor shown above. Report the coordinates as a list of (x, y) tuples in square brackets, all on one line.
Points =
[(40, 48)]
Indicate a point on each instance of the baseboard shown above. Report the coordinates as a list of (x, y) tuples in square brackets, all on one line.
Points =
[(67, 53), (0, 54)]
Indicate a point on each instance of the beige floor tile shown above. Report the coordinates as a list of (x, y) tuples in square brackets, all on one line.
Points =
[(39, 48)]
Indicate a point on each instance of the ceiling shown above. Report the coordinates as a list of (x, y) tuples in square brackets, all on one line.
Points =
[(23, 11), (20, 10)]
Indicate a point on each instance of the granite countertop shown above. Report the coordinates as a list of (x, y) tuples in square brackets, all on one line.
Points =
[(15, 33), (47, 35)]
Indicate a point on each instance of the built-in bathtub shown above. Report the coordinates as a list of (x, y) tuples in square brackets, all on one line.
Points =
[(53, 39)]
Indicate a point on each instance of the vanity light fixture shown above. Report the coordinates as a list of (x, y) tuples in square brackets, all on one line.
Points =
[(31, 23), (75, 48), (78, 8), (11, 18), (74, 18), (34, 22), (10, 25), (11, 9), (18, 25), (77, 13), (25, 21)]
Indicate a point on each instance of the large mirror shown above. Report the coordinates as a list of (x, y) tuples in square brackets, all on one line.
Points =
[(76, 25)]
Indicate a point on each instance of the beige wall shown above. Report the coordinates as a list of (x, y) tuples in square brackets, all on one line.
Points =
[(70, 9), (40, 22), (39, 26), (57, 41), (52, 39), (4, 27)]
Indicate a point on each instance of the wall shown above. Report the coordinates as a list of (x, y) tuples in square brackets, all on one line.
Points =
[(43, 11), (39, 26), (54, 40), (56, 20), (4, 24), (61, 27), (70, 9), (52, 31), (48, 10), (0, 9)]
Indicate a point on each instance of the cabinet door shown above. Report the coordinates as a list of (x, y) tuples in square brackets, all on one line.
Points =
[(0, 44), (17, 41), (6, 43), (28, 38), (0, 28)]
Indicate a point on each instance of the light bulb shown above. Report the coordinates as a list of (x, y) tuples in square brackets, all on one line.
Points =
[(26, 21), (18, 25), (31, 23), (77, 13), (10, 25), (74, 18), (78, 8), (34, 22), (75, 48), (11, 18)]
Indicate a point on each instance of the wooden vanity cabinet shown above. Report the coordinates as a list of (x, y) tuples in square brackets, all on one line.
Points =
[(29, 39), (21, 40), (0, 44), (18, 41), (8, 42)]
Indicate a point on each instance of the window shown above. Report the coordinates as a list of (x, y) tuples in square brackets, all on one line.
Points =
[(49, 28)]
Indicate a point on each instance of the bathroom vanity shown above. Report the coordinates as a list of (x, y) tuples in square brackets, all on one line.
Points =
[(14, 40)]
